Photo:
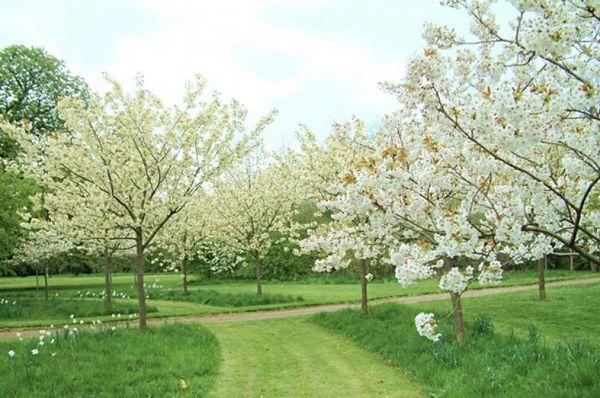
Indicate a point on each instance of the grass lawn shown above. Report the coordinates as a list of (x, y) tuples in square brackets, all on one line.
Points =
[(122, 363), (215, 298), (83, 281), (295, 358), (82, 308), (315, 293), (569, 313), (563, 362), (220, 297), (338, 354), (38, 309), (310, 290)]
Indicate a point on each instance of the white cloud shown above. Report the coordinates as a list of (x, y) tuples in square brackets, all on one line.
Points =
[(206, 37)]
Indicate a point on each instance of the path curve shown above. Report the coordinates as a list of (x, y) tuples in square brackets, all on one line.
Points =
[(9, 333)]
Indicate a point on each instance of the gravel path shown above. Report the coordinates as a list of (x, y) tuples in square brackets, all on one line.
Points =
[(308, 310)]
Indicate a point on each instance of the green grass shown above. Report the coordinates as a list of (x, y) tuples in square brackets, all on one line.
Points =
[(122, 363), (294, 358), (233, 296), (328, 289), (313, 294), (83, 281), (569, 313), (330, 355), (37, 311), (563, 362), (202, 295), (215, 298)]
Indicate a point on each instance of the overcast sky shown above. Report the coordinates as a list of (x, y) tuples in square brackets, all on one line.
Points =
[(316, 61)]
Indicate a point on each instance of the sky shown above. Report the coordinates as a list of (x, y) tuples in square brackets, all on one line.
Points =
[(316, 61)]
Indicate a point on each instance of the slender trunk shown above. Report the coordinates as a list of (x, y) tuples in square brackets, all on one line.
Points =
[(139, 260), (257, 261), (594, 267), (107, 282), (37, 279), (571, 267), (184, 262), (459, 323), (46, 280), (542, 278), (184, 272), (362, 263)]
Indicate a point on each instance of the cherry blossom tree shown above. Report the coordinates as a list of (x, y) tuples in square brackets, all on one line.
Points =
[(89, 219), (517, 106), (352, 234), (316, 165), (407, 204), (491, 156), (145, 159), (41, 245), (184, 238), (524, 96), (439, 213), (251, 203), (323, 169)]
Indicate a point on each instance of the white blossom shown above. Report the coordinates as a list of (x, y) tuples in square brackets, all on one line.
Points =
[(456, 280), (426, 326)]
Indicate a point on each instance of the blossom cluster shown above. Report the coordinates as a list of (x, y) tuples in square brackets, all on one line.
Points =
[(426, 326), (455, 280)]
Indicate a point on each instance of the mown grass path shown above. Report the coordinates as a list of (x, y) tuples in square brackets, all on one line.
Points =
[(295, 358)]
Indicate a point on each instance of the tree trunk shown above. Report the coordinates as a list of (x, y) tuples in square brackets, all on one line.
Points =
[(37, 279), (184, 272), (107, 282), (459, 323), (139, 261), (46, 280), (362, 263), (542, 278), (259, 291), (571, 266), (594, 267), (184, 262)]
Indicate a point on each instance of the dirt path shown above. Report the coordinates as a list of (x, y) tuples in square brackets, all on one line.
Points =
[(308, 310), (286, 313)]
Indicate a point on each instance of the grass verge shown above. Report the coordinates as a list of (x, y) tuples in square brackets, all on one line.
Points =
[(27, 308), (213, 297), (491, 364), (178, 360)]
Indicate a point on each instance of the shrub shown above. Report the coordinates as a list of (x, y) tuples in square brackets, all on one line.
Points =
[(482, 326)]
